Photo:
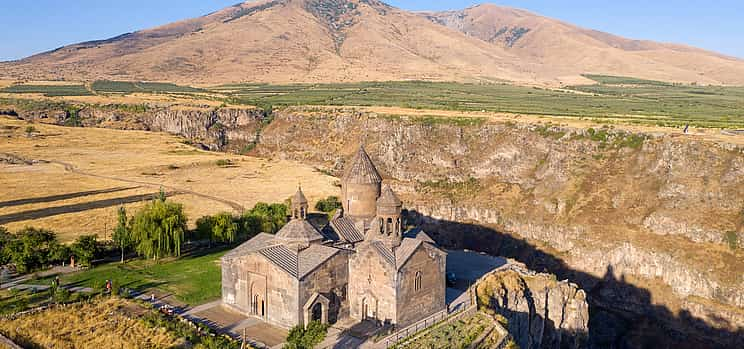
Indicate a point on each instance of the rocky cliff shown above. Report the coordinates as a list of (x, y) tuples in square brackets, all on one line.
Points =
[(649, 224), (541, 311), (656, 211), (214, 128)]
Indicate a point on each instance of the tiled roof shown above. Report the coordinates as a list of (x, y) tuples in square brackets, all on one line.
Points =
[(299, 230), (283, 257), (419, 234), (405, 251), (298, 264), (362, 170), (256, 243), (398, 256), (345, 229), (384, 252)]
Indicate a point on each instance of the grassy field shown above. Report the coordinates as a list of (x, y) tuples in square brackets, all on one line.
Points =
[(100, 324), (49, 90), (642, 102), (109, 165), (192, 279)]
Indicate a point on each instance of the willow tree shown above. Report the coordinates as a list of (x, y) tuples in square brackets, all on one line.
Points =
[(158, 229)]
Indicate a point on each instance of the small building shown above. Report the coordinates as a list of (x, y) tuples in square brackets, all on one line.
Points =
[(362, 264)]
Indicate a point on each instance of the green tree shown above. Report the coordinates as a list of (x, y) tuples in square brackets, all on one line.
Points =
[(30, 249), (5, 238), (224, 228), (85, 249), (300, 337), (328, 204), (122, 235), (158, 229)]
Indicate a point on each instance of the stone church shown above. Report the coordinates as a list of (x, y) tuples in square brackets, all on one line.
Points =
[(362, 265)]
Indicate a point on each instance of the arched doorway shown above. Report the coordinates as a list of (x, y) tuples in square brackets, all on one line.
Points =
[(369, 308), (317, 312), (258, 303)]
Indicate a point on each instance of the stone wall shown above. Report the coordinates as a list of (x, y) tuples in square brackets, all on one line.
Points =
[(330, 279), (414, 305), (253, 274), (370, 277)]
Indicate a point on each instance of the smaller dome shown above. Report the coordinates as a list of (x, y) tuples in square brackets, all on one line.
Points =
[(299, 197), (388, 198), (299, 231)]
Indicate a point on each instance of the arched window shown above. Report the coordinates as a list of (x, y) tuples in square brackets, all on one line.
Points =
[(417, 282), (389, 226), (303, 215)]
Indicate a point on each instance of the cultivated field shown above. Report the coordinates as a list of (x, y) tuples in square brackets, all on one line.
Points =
[(72, 180), (616, 99)]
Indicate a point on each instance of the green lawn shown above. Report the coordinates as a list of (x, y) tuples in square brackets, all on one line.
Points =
[(191, 279)]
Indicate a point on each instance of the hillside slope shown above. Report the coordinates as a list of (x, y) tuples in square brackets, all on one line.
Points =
[(283, 41), (562, 51)]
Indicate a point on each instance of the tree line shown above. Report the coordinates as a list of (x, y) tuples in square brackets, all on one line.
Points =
[(157, 230)]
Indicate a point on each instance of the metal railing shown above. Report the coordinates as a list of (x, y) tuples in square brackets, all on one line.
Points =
[(445, 316)]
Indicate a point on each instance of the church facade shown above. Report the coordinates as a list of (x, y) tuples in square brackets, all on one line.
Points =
[(363, 264)]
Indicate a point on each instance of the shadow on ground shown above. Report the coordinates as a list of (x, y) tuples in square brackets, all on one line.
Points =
[(67, 196), (73, 208), (622, 315)]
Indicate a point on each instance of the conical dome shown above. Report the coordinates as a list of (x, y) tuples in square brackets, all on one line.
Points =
[(299, 231), (388, 198), (362, 170), (299, 197)]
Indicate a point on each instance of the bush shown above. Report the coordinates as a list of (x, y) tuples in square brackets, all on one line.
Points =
[(300, 337), (85, 249), (264, 218), (221, 227), (32, 249), (224, 162), (328, 204), (732, 239)]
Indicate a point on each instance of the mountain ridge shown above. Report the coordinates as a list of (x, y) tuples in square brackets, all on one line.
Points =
[(295, 41)]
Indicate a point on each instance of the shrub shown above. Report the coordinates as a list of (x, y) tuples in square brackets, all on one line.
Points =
[(85, 249), (221, 227), (300, 337), (31, 249), (263, 217), (328, 204), (732, 239), (224, 162)]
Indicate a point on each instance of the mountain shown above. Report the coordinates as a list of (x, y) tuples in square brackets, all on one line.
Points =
[(284, 41), (562, 51)]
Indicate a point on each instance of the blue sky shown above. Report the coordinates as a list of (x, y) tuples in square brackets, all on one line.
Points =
[(30, 27)]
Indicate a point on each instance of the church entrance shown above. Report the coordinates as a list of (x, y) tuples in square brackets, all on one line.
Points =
[(369, 308), (317, 313)]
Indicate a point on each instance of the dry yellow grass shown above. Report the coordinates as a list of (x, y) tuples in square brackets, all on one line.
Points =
[(85, 159), (100, 324)]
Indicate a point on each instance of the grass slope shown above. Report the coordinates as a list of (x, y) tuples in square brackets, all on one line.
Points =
[(192, 279)]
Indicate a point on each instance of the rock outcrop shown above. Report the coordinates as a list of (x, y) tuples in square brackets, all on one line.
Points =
[(655, 208), (224, 128), (541, 311)]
